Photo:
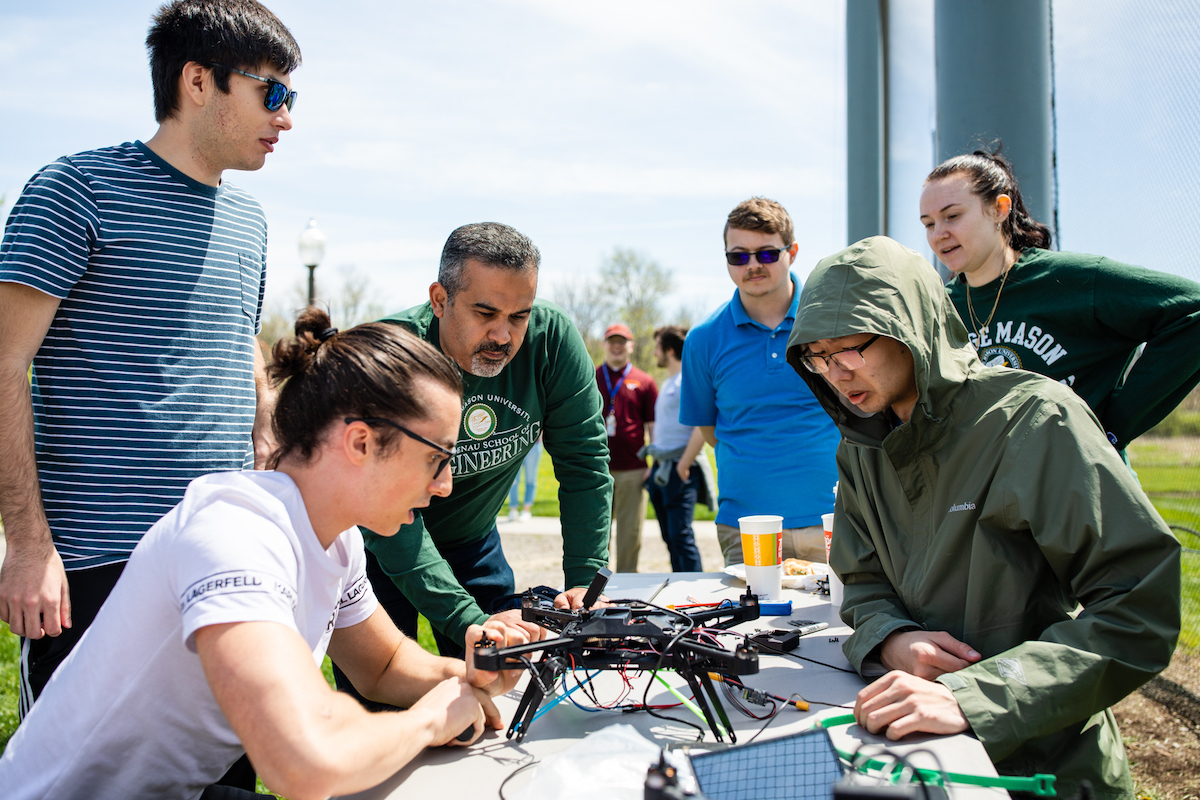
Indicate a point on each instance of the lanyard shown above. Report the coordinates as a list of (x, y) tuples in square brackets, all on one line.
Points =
[(612, 392)]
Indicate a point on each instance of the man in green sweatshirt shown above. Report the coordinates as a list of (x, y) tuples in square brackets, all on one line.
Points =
[(977, 511), (526, 372)]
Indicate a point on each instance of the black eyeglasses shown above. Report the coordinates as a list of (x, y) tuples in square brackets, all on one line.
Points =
[(277, 94), (849, 359), (740, 258), (379, 421)]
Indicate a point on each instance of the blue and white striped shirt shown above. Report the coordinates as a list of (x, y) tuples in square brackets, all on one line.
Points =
[(145, 379)]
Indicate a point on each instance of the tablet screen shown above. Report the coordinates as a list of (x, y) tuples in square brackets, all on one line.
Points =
[(795, 767)]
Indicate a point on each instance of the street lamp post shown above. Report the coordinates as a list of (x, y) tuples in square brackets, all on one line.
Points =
[(312, 250)]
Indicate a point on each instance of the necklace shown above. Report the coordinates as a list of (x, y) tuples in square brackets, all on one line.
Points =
[(971, 309)]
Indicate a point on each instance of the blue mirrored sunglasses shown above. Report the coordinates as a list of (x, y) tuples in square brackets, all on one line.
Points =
[(277, 94), (740, 258)]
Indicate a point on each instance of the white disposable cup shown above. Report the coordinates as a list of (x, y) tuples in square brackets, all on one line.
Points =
[(762, 553), (827, 525)]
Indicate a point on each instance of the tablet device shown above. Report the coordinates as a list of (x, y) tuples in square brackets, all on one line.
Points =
[(800, 766)]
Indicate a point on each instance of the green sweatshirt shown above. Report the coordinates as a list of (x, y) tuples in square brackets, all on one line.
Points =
[(993, 514), (549, 387), (1079, 319)]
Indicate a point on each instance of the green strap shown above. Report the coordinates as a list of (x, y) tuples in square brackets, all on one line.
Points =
[(1041, 785)]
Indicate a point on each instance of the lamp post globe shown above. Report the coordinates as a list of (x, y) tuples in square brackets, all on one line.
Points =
[(312, 250)]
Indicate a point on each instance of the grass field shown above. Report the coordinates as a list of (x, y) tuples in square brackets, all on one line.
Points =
[(545, 500)]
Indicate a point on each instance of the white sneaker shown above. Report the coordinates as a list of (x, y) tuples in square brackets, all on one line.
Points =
[(526, 516), (512, 515)]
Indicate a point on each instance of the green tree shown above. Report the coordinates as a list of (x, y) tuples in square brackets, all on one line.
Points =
[(636, 286), (588, 307), (348, 305)]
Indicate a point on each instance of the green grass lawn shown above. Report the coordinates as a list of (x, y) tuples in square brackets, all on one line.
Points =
[(545, 500)]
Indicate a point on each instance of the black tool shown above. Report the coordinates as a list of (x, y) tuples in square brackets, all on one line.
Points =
[(777, 641), (807, 626)]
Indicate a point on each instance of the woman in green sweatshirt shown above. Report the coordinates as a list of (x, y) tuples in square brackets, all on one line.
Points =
[(1076, 318)]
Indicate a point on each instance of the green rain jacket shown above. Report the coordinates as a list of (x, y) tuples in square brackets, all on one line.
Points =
[(994, 514)]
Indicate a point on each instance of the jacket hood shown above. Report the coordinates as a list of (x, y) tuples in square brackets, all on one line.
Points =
[(879, 286)]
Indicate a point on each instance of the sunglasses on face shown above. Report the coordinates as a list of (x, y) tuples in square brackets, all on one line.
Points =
[(277, 94), (849, 359), (740, 258), (418, 437)]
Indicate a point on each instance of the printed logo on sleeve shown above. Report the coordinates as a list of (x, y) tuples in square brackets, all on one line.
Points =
[(236, 582), (1011, 668), (354, 593), (961, 507)]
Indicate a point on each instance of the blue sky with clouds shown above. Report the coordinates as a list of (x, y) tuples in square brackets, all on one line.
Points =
[(595, 125)]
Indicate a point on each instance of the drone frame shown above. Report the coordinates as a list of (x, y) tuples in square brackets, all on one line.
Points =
[(605, 638)]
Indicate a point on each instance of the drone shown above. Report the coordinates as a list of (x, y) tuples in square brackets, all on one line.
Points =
[(627, 633)]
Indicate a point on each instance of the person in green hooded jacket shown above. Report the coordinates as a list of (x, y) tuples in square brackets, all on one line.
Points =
[(1004, 573)]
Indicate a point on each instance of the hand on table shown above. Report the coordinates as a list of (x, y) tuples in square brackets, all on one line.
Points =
[(902, 704), (926, 654)]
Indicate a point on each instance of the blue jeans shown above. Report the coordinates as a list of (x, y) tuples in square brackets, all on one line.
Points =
[(529, 466), (481, 569), (674, 505)]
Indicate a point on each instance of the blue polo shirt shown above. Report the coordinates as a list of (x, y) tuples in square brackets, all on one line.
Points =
[(775, 444)]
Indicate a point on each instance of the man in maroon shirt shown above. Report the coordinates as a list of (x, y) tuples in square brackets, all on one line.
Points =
[(629, 396)]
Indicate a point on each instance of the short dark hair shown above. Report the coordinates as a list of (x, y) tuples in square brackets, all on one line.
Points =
[(370, 370), (216, 33), (991, 175), (670, 337), (763, 215), (492, 243)]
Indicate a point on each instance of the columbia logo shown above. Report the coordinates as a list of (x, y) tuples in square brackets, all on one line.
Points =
[(961, 507)]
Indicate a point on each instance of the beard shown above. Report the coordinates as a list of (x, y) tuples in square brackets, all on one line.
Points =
[(485, 367)]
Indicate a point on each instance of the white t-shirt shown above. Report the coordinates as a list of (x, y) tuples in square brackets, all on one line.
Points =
[(129, 713), (668, 433)]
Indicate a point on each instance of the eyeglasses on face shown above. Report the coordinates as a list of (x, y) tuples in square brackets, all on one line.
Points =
[(740, 258), (418, 437), (277, 94), (849, 359)]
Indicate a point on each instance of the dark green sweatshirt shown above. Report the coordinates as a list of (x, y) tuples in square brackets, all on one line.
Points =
[(995, 512), (549, 387), (1078, 319)]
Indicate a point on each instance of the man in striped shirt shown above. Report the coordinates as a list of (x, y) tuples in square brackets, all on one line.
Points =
[(131, 277)]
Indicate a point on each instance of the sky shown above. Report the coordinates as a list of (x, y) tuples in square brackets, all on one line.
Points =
[(590, 126)]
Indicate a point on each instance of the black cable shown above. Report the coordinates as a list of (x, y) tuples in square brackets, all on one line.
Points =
[(903, 762), (775, 652), (514, 774), (658, 665), (770, 719)]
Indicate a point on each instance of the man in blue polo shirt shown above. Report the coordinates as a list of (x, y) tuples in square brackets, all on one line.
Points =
[(775, 444)]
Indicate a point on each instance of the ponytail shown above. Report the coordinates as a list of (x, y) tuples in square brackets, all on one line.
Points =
[(991, 175)]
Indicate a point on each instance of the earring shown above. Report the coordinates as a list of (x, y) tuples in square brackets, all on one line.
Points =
[(997, 226)]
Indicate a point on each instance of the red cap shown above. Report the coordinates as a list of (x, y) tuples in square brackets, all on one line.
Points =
[(618, 330)]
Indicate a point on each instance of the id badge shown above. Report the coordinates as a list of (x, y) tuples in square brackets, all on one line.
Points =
[(610, 424)]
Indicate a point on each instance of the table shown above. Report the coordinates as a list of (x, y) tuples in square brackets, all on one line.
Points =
[(478, 771)]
